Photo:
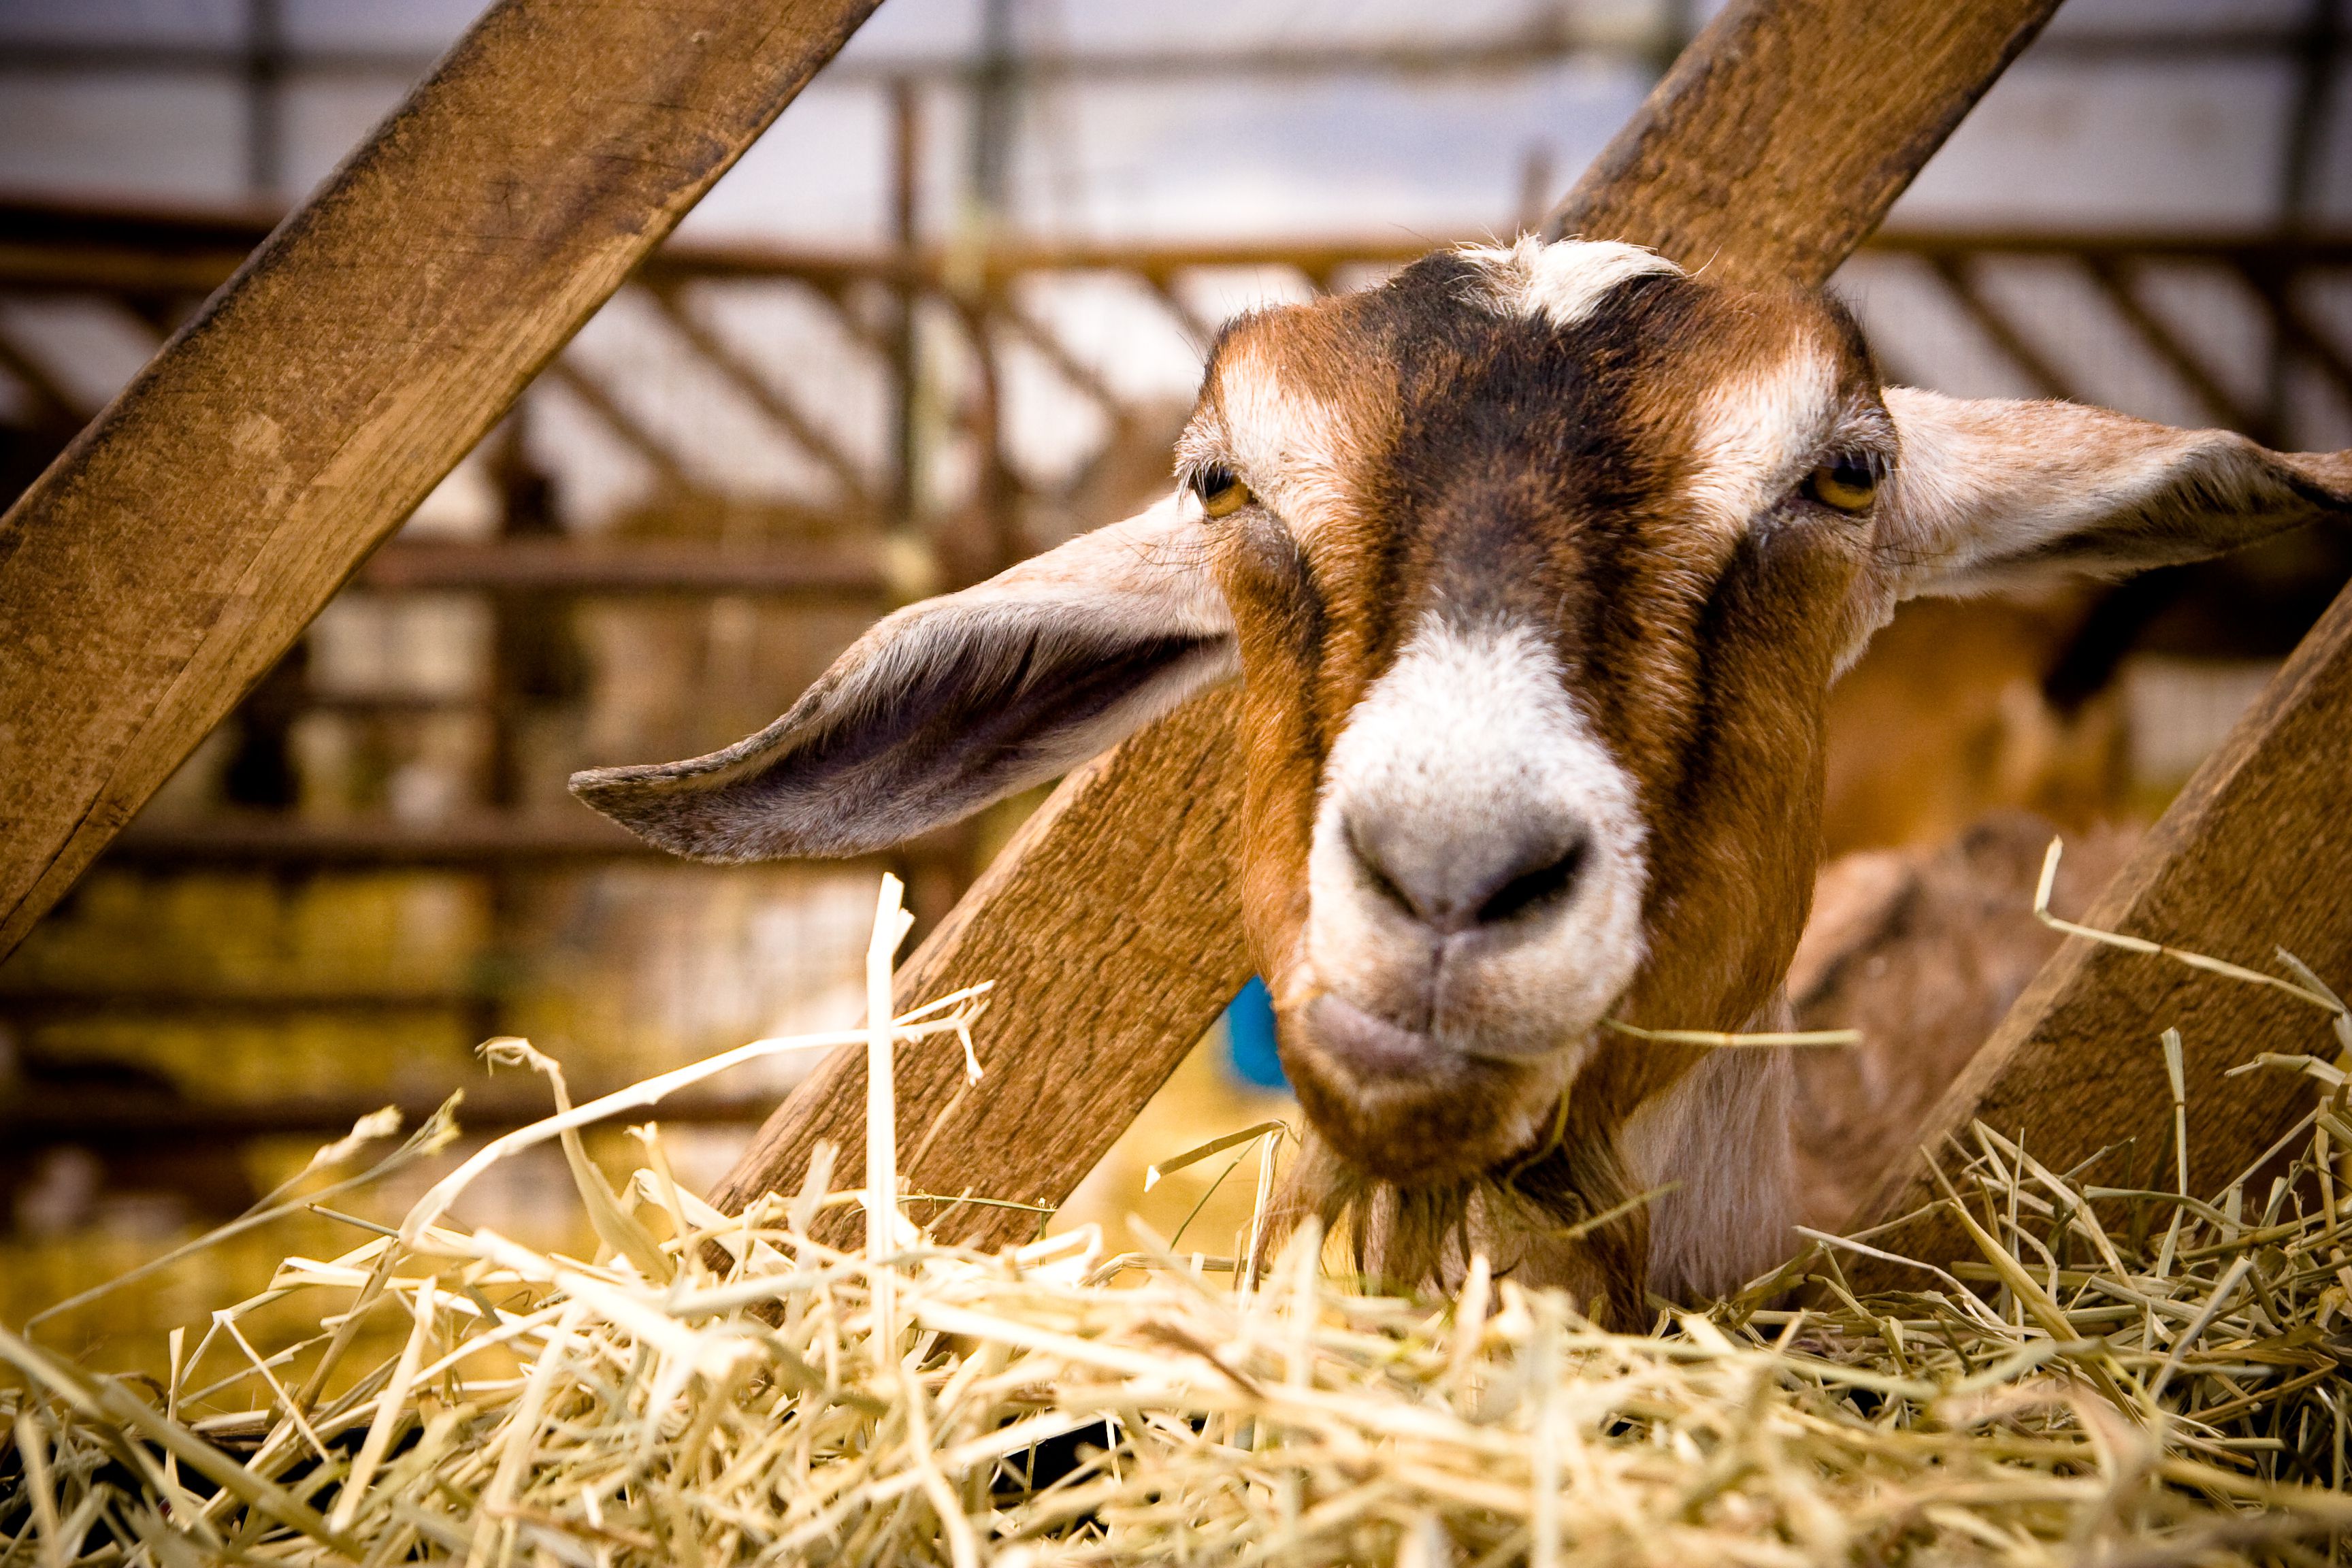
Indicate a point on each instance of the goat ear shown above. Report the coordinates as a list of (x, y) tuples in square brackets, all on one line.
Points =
[(1990, 495), (951, 704)]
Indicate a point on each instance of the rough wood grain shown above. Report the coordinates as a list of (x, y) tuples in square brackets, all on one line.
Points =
[(1784, 132), (1109, 926), (2256, 854), (170, 555)]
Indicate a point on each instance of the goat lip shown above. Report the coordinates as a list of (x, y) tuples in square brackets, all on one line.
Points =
[(1404, 1106), (1372, 1046), (1367, 1045)]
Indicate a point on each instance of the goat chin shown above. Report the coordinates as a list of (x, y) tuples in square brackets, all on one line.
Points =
[(1520, 1218), (1714, 1151)]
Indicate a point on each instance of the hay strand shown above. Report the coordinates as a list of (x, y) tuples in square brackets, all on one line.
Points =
[(2127, 1374)]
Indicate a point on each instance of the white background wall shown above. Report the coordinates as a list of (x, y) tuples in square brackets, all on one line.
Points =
[(2065, 140)]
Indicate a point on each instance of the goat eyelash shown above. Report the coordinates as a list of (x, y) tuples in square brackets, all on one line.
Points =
[(1221, 492), (1846, 479)]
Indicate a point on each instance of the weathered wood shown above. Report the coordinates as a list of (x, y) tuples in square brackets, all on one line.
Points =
[(1771, 149), (2256, 854), (168, 558), (1788, 126), (476, 841)]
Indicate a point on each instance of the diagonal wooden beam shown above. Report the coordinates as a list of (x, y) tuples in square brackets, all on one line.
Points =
[(2274, 286), (1086, 380), (631, 431), (1958, 275), (1784, 132), (1110, 924), (54, 404), (180, 545), (2254, 856)]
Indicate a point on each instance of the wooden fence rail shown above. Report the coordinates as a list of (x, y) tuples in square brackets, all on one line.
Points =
[(163, 563)]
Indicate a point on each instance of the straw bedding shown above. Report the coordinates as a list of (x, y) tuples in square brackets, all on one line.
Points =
[(2125, 1374)]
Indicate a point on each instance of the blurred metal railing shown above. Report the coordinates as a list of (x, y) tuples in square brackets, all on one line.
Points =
[(879, 537)]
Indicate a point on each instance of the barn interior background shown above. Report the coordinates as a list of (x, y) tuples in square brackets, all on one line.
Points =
[(947, 314)]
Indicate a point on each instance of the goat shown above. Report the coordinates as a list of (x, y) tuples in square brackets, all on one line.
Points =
[(1536, 563)]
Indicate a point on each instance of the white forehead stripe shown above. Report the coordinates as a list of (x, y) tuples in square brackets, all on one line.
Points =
[(1753, 428), (1283, 439), (1271, 428), (1561, 283)]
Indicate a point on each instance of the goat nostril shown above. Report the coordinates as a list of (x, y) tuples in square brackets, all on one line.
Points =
[(1368, 860), (1532, 890)]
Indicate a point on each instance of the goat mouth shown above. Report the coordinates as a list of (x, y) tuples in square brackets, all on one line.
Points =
[(1374, 1046), (1405, 1107), (1369, 1046)]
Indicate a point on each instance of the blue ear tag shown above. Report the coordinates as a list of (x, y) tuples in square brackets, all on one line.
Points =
[(1249, 1032)]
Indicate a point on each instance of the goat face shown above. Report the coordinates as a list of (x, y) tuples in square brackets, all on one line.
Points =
[(1537, 597), (1537, 564)]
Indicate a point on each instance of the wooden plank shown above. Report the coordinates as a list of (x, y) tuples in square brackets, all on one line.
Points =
[(1958, 274), (53, 243), (1549, 36), (114, 1119), (2221, 406), (53, 403), (2254, 855), (477, 839), (766, 397), (670, 476), (1110, 925), (145, 249), (175, 550), (1788, 126)]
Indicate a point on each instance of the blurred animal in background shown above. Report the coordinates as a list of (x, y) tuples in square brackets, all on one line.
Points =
[(1538, 565), (1921, 950)]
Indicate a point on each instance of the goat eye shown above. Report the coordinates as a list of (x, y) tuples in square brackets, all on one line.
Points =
[(1846, 483), (1221, 491)]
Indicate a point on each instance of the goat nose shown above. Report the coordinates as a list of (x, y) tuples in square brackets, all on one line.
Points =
[(1452, 882)]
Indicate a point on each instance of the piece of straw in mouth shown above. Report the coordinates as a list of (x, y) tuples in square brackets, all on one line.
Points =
[(1719, 1039), (1153, 1174)]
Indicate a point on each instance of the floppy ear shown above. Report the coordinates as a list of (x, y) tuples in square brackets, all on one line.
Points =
[(1990, 495), (951, 704)]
